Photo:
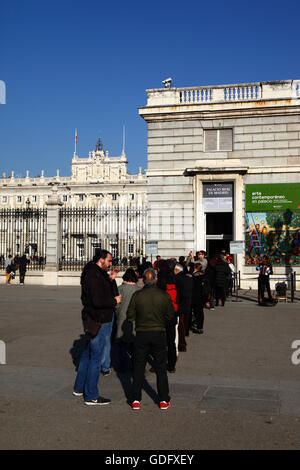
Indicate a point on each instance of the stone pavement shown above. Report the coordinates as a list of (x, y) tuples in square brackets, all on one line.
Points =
[(235, 387)]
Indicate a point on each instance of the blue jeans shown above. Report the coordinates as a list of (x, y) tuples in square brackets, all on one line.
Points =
[(105, 366), (90, 364)]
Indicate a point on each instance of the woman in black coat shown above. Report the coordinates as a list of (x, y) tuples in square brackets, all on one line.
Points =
[(221, 276), (24, 261), (201, 290)]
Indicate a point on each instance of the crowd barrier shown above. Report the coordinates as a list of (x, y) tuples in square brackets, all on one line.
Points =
[(289, 280)]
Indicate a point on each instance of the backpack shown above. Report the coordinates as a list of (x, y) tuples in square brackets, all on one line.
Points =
[(171, 290), (281, 289), (205, 286)]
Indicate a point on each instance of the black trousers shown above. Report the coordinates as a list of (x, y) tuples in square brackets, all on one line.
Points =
[(22, 276), (171, 346), (155, 344), (199, 314), (220, 294), (263, 283)]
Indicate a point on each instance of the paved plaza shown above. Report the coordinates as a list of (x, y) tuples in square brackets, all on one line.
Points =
[(235, 388)]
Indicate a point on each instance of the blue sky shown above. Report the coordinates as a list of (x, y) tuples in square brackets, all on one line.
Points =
[(87, 64)]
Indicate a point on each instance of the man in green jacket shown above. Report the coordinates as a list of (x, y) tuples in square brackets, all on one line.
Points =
[(150, 309)]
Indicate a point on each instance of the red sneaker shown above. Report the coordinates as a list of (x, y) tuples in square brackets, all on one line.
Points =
[(135, 405), (164, 405)]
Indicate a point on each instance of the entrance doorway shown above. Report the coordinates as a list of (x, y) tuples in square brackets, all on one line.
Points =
[(213, 247), (219, 230)]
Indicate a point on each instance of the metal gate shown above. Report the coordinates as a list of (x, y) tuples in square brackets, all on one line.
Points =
[(23, 231), (120, 231)]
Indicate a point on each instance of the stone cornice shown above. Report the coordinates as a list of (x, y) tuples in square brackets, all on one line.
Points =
[(215, 171), (220, 110)]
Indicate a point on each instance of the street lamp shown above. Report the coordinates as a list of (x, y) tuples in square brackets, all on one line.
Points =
[(27, 228)]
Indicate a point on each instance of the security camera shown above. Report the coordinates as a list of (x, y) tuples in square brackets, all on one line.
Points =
[(167, 82)]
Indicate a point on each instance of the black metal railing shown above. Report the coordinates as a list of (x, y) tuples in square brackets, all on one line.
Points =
[(23, 231), (120, 231), (289, 280)]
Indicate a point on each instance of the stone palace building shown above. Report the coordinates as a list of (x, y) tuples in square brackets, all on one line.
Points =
[(224, 172), (60, 221), (97, 181)]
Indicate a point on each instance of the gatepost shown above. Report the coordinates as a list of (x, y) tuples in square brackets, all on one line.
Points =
[(53, 238)]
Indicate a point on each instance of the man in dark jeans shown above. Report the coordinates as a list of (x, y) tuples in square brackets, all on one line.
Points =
[(99, 303), (151, 308)]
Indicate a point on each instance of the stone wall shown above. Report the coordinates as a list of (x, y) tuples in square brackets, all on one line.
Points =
[(265, 149)]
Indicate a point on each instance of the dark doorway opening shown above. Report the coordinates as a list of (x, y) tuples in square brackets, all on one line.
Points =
[(218, 232), (218, 223), (213, 247)]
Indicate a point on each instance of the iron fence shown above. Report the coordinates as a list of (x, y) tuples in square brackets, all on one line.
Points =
[(120, 231), (23, 231)]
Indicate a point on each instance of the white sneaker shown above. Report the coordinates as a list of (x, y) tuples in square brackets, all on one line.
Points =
[(98, 401)]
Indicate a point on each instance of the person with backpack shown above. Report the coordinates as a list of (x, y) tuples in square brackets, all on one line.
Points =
[(166, 282), (184, 288), (9, 268), (200, 295)]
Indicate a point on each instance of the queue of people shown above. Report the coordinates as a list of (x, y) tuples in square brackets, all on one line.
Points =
[(154, 310)]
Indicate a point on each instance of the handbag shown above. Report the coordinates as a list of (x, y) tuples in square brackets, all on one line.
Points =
[(91, 327)]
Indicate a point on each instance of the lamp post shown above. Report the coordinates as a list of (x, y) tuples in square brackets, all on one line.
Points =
[(27, 213)]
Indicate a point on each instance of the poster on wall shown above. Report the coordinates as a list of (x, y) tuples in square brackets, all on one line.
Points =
[(272, 221), (272, 197), (275, 234)]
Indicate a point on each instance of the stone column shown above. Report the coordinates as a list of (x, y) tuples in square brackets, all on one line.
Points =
[(53, 238)]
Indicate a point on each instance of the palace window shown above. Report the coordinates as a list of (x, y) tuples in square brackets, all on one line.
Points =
[(34, 198), (19, 199), (218, 140), (114, 197), (4, 199)]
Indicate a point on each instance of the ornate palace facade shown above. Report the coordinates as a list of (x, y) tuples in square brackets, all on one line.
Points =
[(98, 181)]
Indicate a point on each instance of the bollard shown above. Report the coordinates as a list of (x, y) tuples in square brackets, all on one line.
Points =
[(2, 352), (237, 282), (292, 287)]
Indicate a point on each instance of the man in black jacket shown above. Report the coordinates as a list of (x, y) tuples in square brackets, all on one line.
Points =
[(99, 302), (265, 269), (24, 261)]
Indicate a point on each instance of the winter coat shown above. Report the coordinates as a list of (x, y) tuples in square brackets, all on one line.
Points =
[(23, 263), (201, 288), (166, 282), (151, 308), (97, 294), (222, 273), (125, 330), (265, 270), (184, 287)]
